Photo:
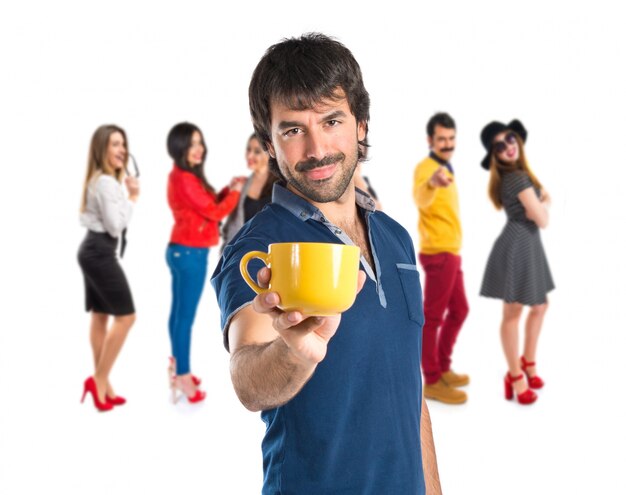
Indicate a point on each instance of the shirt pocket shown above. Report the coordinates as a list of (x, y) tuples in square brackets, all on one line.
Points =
[(410, 280)]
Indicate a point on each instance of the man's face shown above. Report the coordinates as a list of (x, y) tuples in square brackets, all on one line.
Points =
[(316, 149), (442, 142)]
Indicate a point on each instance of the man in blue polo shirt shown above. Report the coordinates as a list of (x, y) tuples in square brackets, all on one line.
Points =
[(341, 396)]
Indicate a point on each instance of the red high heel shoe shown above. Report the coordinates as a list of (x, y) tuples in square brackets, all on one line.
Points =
[(196, 380), (90, 386), (525, 398), (533, 381), (115, 401)]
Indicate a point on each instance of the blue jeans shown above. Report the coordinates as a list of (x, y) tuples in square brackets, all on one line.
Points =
[(188, 266)]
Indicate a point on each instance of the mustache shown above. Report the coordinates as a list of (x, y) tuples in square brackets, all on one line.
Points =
[(446, 150), (312, 163)]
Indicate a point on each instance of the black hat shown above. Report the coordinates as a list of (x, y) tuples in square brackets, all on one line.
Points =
[(492, 129)]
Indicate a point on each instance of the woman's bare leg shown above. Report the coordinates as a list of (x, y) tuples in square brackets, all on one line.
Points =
[(509, 334), (534, 322), (111, 347), (97, 334)]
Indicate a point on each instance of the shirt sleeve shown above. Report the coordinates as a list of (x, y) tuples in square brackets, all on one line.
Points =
[(231, 290), (115, 209), (206, 204), (423, 194), (516, 182), (223, 193)]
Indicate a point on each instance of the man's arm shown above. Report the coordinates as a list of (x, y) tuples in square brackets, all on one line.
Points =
[(265, 372), (429, 458), (273, 354), (426, 180)]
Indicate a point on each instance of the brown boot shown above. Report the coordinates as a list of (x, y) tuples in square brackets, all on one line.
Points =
[(443, 392), (454, 379)]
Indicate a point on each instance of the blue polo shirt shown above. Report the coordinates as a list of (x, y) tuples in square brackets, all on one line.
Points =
[(354, 428)]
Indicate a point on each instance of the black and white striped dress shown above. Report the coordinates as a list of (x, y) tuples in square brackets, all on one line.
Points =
[(517, 268)]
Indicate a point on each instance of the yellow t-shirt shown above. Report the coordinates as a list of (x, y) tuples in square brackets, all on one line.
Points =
[(439, 224)]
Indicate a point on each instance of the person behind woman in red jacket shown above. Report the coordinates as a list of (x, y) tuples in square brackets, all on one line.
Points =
[(197, 211)]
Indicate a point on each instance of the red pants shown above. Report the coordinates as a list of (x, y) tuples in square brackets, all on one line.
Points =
[(444, 295)]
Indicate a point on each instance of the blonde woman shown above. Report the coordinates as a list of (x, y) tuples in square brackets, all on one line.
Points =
[(106, 211), (517, 270)]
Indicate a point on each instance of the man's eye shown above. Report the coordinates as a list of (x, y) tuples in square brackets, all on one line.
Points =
[(293, 132), (333, 123)]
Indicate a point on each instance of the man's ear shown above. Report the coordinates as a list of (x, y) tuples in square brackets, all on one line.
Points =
[(430, 141), (270, 149), (361, 130)]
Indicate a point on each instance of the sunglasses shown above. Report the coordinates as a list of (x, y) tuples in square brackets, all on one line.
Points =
[(135, 167), (501, 146)]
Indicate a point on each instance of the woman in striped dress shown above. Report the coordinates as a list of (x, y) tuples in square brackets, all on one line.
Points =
[(517, 269)]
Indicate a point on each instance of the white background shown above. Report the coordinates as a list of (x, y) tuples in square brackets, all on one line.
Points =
[(68, 67)]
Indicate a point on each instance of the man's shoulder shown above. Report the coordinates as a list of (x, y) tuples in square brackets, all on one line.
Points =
[(393, 238), (428, 162), (271, 215), (261, 230), (393, 227), (426, 165)]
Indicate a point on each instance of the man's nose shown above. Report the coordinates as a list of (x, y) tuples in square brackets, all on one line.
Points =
[(315, 144)]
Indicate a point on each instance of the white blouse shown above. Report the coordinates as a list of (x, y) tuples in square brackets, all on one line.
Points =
[(108, 209)]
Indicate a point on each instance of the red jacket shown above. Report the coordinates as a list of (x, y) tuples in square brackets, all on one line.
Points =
[(197, 212)]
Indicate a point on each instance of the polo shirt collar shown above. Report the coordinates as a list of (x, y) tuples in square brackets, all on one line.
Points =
[(446, 164), (304, 210)]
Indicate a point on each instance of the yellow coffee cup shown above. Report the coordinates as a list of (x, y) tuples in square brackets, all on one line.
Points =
[(315, 278)]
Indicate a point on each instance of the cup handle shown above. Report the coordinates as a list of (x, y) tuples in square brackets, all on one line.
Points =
[(243, 268)]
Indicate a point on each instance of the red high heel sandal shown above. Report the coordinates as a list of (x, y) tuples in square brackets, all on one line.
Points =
[(90, 386), (525, 398), (196, 380), (533, 381), (198, 396)]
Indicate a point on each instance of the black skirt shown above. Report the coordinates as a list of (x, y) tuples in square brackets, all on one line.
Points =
[(106, 288)]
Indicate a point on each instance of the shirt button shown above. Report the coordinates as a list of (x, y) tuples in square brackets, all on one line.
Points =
[(303, 214), (337, 231)]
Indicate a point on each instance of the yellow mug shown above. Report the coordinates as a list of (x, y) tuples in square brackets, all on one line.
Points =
[(315, 278)]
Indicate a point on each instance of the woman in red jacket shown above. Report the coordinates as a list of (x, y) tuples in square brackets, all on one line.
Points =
[(197, 210)]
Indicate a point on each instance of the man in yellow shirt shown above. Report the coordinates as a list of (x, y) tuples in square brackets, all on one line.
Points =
[(445, 304)]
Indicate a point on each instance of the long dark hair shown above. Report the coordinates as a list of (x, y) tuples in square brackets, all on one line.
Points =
[(178, 144)]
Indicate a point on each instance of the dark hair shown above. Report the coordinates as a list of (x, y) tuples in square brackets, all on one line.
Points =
[(364, 150), (442, 119), (178, 144), (301, 72)]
